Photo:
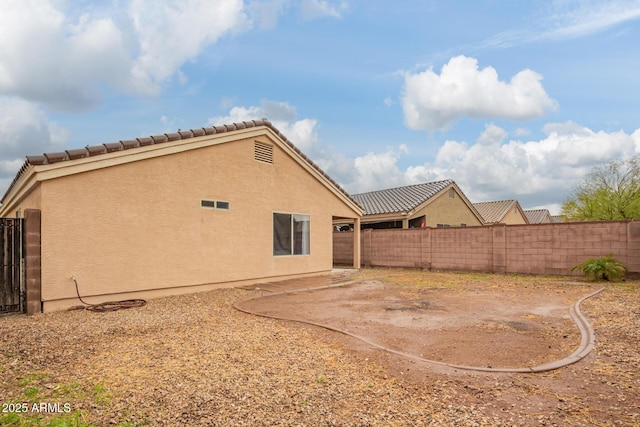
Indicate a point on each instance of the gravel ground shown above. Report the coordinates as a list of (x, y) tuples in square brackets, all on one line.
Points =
[(194, 360)]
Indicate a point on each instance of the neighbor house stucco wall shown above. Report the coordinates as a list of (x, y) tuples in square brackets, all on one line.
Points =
[(514, 216), (444, 209), (137, 229)]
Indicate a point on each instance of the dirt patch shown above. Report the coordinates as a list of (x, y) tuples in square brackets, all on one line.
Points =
[(194, 360), (472, 324)]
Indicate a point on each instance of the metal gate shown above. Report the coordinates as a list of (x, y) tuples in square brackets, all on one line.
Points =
[(11, 280)]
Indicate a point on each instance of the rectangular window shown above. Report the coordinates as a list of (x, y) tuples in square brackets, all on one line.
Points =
[(291, 234), (214, 204)]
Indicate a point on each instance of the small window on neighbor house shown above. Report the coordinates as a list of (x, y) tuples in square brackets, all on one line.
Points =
[(463, 224), (263, 152), (443, 225), (222, 205)]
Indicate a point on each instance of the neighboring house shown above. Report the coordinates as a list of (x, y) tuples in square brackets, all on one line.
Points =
[(538, 216), (179, 212), (557, 218), (432, 204), (501, 212)]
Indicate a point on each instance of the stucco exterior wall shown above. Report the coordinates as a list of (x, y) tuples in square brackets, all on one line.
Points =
[(514, 217), (137, 229), (32, 200), (446, 210)]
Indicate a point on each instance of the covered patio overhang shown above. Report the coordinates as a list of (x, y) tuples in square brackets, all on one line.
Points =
[(355, 223)]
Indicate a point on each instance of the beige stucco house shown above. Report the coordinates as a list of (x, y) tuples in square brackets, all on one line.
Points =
[(179, 212), (501, 212), (431, 204)]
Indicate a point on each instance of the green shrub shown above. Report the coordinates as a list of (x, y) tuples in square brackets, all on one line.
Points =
[(603, 268)]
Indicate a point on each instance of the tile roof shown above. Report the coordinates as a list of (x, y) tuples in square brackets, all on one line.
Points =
[(537, 216), (494, 212), (96, 150), (401, 199), (557, 218)]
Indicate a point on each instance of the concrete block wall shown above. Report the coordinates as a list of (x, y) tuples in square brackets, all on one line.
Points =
[(633, 247), (343, 248), (556, 248), (525, 249), (461, 248), (394, 248)]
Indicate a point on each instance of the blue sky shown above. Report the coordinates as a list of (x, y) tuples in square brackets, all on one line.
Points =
[(511, 99)]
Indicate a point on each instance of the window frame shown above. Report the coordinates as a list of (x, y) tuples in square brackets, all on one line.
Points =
[(291, 241), (217, 205)]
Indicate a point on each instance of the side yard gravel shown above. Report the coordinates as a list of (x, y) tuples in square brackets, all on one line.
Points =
[(194, 360)]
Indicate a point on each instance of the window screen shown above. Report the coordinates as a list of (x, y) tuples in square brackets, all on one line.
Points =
[(300, 235), (281, 234), (291, 234)]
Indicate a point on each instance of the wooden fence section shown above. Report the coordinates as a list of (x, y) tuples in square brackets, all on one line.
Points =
[(528, 249)]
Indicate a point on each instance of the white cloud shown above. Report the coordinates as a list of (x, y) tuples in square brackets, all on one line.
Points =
[(303, 133), (267, 12), (169, 33), (538, 173), (571, 19), (24, 129), (376, 171), (62, 58), (434, 102), (45, 58), (313, 9), (492, 135), (534, 172), (580, 18)]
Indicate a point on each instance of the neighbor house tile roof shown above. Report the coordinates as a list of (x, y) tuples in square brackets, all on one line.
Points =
[(398, 200), (557, 218), (493, 212), (96, 150), (537, 216)]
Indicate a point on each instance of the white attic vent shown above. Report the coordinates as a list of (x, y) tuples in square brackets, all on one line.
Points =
[(263, 152)]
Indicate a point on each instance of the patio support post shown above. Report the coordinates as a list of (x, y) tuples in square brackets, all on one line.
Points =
[(356, 243)]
